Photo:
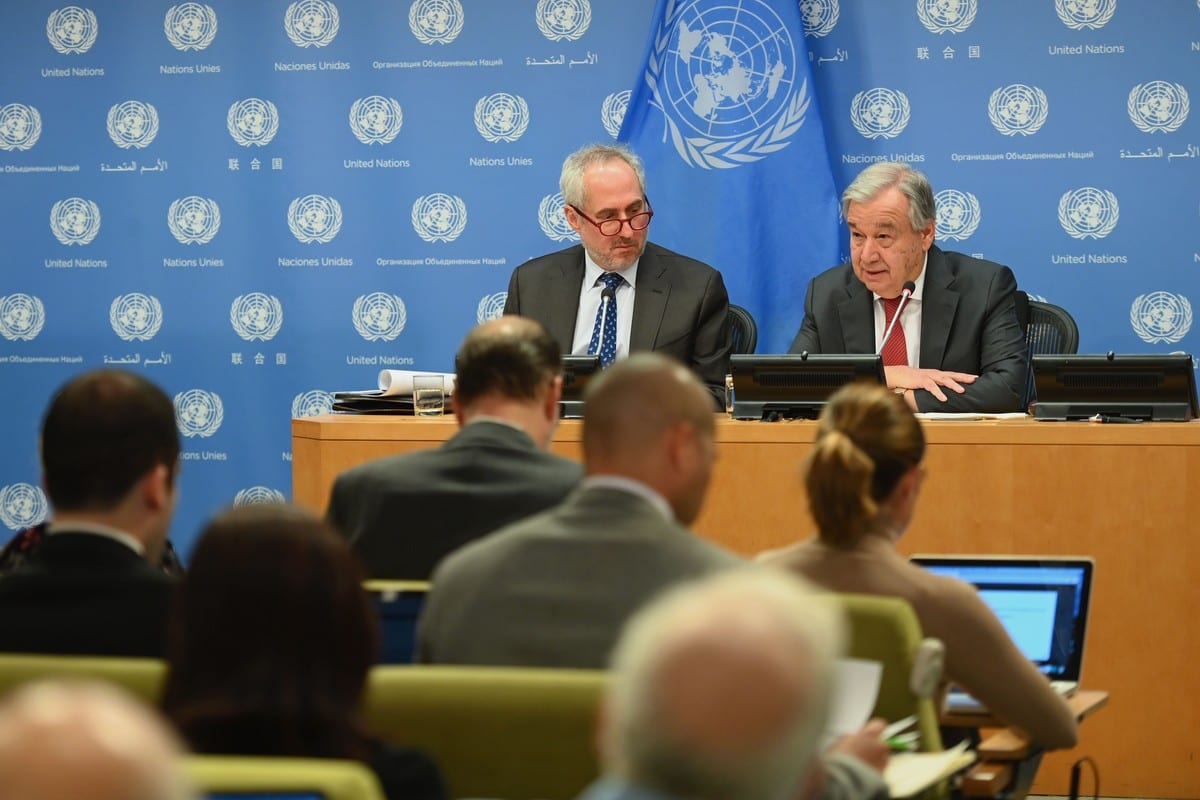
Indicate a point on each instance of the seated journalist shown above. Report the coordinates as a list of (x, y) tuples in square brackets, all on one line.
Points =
[(660, 300), (958, 345)]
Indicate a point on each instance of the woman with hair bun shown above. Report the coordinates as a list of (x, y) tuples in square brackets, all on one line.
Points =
[(863, 475)]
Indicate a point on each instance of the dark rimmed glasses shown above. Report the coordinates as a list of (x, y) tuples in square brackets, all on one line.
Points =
[(611, 227)]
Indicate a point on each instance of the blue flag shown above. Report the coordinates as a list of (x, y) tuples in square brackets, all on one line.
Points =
[(725, 117)]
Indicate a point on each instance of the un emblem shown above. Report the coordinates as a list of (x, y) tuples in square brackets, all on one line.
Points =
[(563, 19), (315, 218), (819, 17), (958, 214), (376, 119), (1088, 213), (253, 121), (947, 16), (72, 29), (190, 26), (1161, 317), (198, 413), (501, 117), (22, 505), (21, 317), (880, 113), (439, 217), (194, 219), (20, 126), (435, 21), (1158, 106), (553, 221), (491, 306), (135, 316), (311, 23), (1018, 108), (132, 124), (258, 495), (612, 113), (75, 220), (379, 316), (256, 316), (1080, 14), (312, 403)]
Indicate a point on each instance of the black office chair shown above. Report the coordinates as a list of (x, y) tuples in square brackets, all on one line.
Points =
[(1049, 329), (743, 330)]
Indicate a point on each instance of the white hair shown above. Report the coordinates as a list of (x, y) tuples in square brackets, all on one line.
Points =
[(570, 182)]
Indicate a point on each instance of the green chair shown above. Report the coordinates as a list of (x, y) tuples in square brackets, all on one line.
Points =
[(142, 677), (329, 779)]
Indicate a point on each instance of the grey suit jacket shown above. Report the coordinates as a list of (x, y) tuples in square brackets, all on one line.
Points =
[(968, 324), (403, 513), (680, 307), (555, 589)]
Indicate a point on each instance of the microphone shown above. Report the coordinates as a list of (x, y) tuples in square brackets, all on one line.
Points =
[(906, 292), (607, 298)]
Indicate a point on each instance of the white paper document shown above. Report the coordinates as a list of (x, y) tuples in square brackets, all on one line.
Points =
[(856, 688), (908, 773), (400, 381)]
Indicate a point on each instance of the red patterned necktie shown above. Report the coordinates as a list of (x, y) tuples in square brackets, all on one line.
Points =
[(895, 349)]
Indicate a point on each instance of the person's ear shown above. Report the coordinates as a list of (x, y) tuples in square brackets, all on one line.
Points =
[(457, 408), (156, 487), (553, 397)]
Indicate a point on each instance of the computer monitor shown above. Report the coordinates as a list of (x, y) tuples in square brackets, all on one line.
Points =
[(795, 386), (577, 370), (1126, 387)]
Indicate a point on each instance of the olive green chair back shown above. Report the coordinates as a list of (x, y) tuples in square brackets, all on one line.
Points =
[(329, 779), (142, 677)]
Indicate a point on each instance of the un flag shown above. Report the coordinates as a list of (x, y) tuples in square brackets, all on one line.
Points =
[(726, 118)]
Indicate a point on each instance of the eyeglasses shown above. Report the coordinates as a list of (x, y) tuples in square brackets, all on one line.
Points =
[(611, 227)]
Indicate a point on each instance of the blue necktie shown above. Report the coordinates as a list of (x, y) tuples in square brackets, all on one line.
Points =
[(604, 334)]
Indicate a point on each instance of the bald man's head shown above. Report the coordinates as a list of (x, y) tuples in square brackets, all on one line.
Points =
[(63, 741)]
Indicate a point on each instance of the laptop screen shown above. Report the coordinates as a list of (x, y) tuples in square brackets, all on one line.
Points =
[(1042, 603)]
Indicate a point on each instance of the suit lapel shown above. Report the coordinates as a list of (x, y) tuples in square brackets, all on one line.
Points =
[(939, 301), (564, 290), (650, 302), (858, 319)]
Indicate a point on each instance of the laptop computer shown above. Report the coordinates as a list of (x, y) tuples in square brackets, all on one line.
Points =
[(1042, 602)]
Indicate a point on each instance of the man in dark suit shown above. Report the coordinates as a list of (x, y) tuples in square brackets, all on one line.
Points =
[(110, 454), (658, 300), (958, 345), (403, 513)]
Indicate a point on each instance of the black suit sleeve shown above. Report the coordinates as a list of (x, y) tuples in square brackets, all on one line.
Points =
[(710, 355), (807, 338), (512, 303)]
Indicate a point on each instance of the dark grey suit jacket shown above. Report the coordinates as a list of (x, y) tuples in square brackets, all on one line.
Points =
[(555, 589), (85, 594), (403, 513), (968, 324), (680, 307)]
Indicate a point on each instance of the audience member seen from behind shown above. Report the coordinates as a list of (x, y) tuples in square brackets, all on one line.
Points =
[(110, 457), (272, 637), (82, 741), (863, 475)]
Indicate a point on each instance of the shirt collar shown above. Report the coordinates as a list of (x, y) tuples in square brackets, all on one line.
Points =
[(96, 529), (622, 484)]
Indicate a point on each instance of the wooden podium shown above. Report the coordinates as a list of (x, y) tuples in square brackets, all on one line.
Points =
[(1126, 495)]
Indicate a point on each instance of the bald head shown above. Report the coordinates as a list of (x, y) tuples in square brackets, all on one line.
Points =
[(86, 741)]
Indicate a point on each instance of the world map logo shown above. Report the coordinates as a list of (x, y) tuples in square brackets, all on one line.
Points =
[(1080, 14), (20, 126), (190, 26), (491, 306), (311, 23), (258, 495), (75, 221), (132, 124), (1158, 106), (947, 16), (1018, 109), (23, 505), (553, 221), (501, 117), (379, 316), (563, 20), (198, 412), (612, 112), (819, 17), (135, 317), (72, 29), (958, 214), (21, 317), (1161, 317), (256, 316), (880, 113), (312, 403), (194, 219), (439, 217), (315, 218), (253, 121), (1088, 212), (724, 75), (436, 21), (376, 119)]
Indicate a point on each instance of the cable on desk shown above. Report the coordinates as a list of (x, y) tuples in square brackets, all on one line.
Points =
[(1076, 769)]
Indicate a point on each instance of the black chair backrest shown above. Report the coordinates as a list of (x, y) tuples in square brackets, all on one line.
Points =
[(1051, 329), (743, 330)]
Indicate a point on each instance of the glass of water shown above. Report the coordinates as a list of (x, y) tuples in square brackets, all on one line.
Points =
[(429, 395)]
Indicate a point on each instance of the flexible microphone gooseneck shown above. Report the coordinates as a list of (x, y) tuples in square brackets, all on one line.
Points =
[(607, 298), (906, 292)]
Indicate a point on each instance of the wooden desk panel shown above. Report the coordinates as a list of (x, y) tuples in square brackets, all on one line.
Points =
[(1127, 495)]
